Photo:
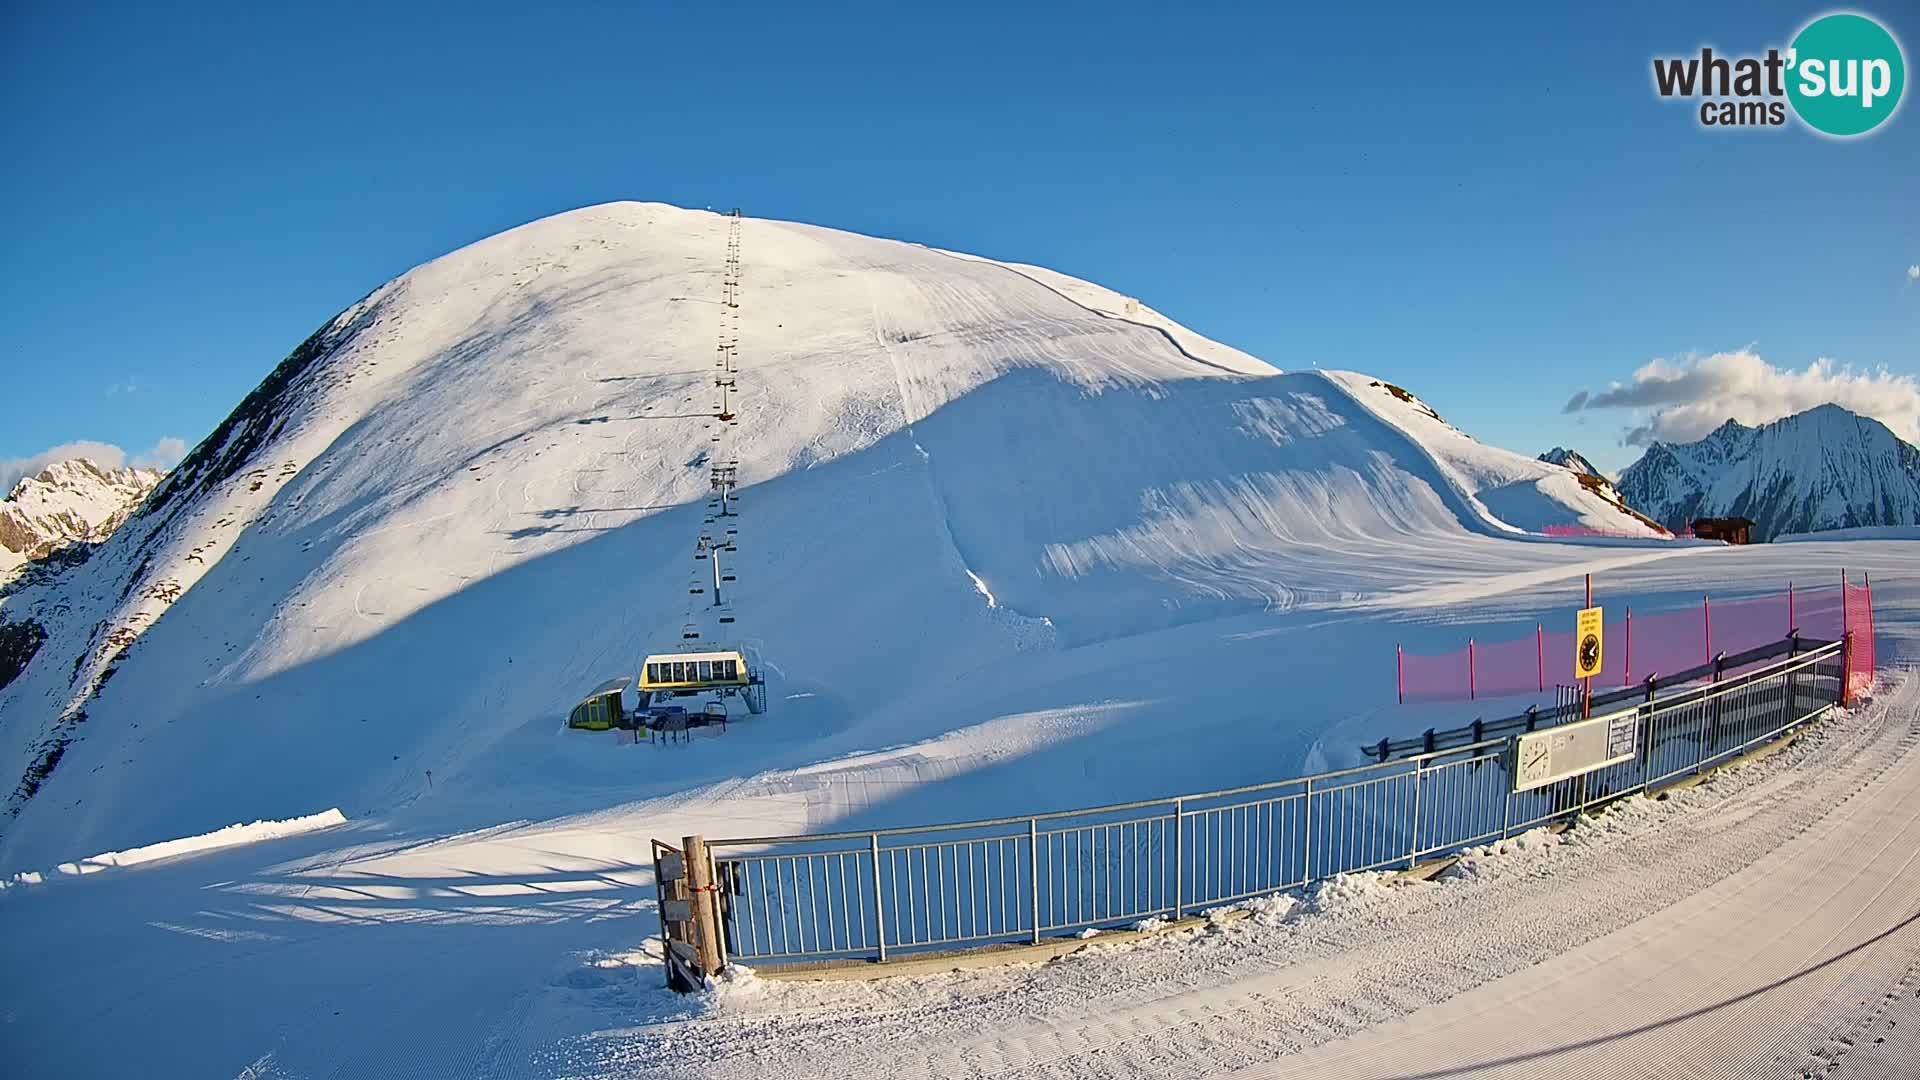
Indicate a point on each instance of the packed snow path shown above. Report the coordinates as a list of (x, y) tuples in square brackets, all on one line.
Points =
[(1779, 969), (1759, 925)]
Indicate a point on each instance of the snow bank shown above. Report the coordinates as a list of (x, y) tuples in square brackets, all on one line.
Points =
[(231, 836), (1864, 532)]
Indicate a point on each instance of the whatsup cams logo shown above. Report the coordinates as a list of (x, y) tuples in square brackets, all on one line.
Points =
[(1842, 76)]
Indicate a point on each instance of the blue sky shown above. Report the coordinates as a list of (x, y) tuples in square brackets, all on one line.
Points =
[(1495, 212)]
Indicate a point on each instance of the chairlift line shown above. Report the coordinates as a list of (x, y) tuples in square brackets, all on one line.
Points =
[(698, 665)]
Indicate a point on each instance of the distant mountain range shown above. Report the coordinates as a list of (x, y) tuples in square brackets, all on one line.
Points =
[(1571, 459), (1826, 468), (69, 502)]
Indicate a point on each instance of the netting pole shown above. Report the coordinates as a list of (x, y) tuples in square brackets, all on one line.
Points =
[(1790, 623), (1540, 651), (1846, 656), (1846, 639), (1586, 684), (1706, 614), (1626, 673), (1473, 679), (1873, 656), (1400, 673)]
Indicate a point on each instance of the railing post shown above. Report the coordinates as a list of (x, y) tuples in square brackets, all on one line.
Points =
[(1033, 872), (1179, 860), (1706, 716), (1306, 843), (1646, 744), (879, 905), (1509, 754), (1473, 675), (1793, 650), (1846, 659), (1413, 834)]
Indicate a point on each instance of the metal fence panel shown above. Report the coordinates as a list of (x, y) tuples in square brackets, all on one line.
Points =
[(877, 895)]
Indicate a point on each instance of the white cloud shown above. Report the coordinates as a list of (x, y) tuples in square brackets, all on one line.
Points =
[(1680, 401), (1913, 272), (164, 454)]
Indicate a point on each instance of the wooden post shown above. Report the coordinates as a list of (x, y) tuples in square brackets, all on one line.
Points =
[(706, 915), (682, 959)]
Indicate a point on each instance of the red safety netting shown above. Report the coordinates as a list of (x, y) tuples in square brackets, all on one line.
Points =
[(1588, 530), (1636, 645), (1857, 602)]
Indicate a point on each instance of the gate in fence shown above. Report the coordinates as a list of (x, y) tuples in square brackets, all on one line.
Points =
[(883, 894)]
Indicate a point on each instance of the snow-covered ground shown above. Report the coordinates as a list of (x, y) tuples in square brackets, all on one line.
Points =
[(1744, 927), (1010, 543), (436, 940)]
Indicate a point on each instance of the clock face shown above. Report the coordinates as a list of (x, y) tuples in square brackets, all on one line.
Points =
[(1589, 652), (1535, 760)]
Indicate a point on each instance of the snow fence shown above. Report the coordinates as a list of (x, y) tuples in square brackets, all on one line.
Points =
[(838, 898), (1636, 645)]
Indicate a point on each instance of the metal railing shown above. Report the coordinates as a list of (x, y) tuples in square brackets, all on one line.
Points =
[(880, 894), (1535, 717)]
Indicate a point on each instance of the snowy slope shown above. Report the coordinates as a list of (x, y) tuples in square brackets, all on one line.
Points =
[(457, 938), (67, 502), (1508, 492), (1825, 468), (473, 495)]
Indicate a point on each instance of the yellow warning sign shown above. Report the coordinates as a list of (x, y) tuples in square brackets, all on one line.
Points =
[(1587, 638)]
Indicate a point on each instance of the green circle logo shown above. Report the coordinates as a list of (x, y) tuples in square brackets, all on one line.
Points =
[(1845, 74)]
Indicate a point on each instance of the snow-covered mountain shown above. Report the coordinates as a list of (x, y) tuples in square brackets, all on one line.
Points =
[(474, 494), (68, 502), (1826, 468), (1570, 459), (1510, 492)]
